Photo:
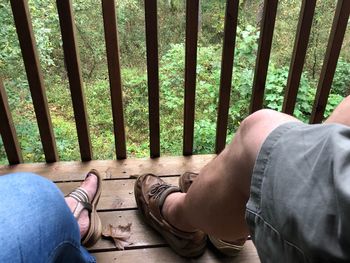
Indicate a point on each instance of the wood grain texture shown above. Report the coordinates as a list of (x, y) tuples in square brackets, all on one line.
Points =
[(144, 237), (117, 205), (116, 194), (113, 169), (141, 234), (165, 254)]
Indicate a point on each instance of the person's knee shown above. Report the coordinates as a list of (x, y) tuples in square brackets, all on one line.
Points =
[(26, 177), (253, 120), (256, 127), (32, 186), (46, 200), (29, 180), (254, 124), (34, 203)]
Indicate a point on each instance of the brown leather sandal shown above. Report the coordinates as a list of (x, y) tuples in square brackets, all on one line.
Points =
[(79, 194)]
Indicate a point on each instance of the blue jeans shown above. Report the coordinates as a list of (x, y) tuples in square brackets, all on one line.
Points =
[(36, 225)]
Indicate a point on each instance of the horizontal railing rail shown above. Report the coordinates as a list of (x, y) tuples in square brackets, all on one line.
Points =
[(71, 55)]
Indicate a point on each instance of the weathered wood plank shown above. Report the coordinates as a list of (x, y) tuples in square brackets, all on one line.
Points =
[(141, 234), (165, 254), (73, 171), (116, 194)]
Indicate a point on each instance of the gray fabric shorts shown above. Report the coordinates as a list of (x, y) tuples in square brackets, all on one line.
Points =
[(299, 206)]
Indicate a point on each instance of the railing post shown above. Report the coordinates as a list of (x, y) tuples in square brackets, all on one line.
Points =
[(336, 38), (299, 53), (7, 130), (264, 50), (36, 83), (153, 75), (227, 59), (112, 49), (192, 11), (71, 56)]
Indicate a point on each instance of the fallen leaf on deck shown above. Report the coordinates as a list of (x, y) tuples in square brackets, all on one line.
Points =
[(119, 234)]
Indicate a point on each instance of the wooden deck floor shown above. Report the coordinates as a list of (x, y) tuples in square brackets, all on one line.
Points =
[(117, 205)]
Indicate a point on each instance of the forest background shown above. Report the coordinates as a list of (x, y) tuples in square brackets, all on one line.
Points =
[(171, 24)]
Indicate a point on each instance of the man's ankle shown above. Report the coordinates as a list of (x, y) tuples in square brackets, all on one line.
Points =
[(173, 213)]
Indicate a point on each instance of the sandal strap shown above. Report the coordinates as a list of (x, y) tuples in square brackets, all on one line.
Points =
[(81, 196)]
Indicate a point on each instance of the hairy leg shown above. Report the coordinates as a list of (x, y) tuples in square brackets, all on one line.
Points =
[(215, 202), (341, 113)]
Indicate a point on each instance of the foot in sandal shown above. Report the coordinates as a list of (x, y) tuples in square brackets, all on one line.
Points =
[(82, 202)]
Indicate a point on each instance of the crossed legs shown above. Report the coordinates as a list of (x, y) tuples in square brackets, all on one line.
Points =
[(215, 202)]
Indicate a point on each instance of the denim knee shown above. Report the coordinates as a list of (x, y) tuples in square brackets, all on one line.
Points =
[(27, 179), (34, 217)]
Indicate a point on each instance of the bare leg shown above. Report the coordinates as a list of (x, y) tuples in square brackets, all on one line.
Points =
[(215, 202), (341, 113)]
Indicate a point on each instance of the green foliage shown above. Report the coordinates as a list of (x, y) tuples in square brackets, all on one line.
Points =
[(171, 24), (136, 109), (66, 138), (274, 94), (10, 52), (341, 81)]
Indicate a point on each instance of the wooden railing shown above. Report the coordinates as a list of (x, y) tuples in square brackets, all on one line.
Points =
[(71, 54)]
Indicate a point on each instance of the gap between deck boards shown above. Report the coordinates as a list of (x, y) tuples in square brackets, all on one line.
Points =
[(117, 205)]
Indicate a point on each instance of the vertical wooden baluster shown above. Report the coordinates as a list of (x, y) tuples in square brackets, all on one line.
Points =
[(7, 130), (72, 61), (264, 50), (192, 9), (112, 48), (226, 72), (300, 46), (36, 84), (336, 38), (153, 75)]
